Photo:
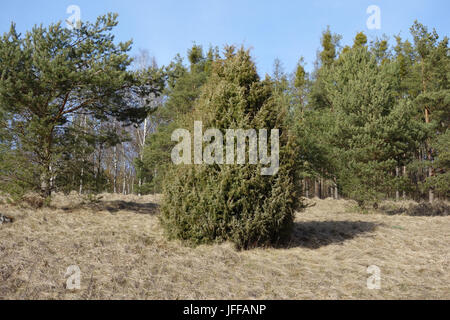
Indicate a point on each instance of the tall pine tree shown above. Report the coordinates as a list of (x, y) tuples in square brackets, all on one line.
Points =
[(50, 75)]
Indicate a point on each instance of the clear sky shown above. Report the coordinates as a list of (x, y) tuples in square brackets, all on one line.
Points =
[(273, 29)]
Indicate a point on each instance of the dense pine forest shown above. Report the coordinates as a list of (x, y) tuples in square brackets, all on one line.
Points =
[(79, 114)]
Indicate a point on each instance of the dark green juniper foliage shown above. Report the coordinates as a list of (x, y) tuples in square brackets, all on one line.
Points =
[(215, 203), (47, 77), (183, 89)]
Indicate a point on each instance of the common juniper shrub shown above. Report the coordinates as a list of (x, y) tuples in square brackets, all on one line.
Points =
[(221, 202)]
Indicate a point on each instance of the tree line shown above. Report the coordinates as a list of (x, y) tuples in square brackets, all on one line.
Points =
[(79, 114)]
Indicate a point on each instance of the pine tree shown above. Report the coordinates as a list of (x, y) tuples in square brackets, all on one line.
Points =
[(424, 76), (329, 51), (360, 40), (380, 48), (184, 87), (326, 59), (300, 75), (433, 67), (373, 133), (52, 74), (311, 127)]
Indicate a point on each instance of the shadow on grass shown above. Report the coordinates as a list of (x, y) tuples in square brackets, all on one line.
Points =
[(423, 209), (139, 208), (317, 234), (115, 206)]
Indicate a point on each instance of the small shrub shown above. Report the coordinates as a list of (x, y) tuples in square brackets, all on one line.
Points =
[(92, 198), (425, 209), (34, 200)]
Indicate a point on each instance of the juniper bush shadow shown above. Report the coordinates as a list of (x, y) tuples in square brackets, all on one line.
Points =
[(113, 207), (317, 234)]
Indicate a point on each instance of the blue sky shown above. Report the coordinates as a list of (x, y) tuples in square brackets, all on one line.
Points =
[(273, 29)]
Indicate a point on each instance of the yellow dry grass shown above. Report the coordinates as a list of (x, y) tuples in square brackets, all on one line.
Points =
[(122, 253)]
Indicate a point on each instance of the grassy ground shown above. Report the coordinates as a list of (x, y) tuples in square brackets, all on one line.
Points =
[(122, 253)]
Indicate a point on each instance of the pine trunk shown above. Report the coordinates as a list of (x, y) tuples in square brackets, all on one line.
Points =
[(316, 189), (404, 175), (397, 193), (45, 180), (115, 171), (307, 189)]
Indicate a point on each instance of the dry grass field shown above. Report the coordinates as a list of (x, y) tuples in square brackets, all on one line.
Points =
[(122, 253)]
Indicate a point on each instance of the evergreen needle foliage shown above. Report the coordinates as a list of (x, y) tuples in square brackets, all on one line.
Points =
[(50, 76), (204, 203)]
